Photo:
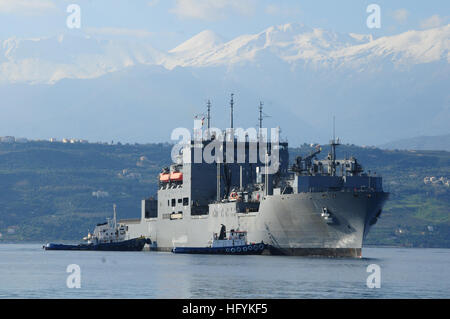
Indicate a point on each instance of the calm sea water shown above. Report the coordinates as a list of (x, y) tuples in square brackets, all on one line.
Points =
[(27, 271)]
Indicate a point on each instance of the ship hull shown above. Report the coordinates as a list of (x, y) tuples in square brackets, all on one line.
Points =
[(289, 224), (136, 244), (253, 249), (317, 252), (294, 225)]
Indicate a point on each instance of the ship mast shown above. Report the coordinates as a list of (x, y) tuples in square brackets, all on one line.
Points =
[(333, 144), (208, 106), (260, 119), (231, 115), (115, 217), (262, 115), (218, 180)]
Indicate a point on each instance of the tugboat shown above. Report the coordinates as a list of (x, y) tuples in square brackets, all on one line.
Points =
[(234, 244), (109, 236)]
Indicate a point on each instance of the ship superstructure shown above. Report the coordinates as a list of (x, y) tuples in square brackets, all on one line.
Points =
[(108, 232), (314, 207)]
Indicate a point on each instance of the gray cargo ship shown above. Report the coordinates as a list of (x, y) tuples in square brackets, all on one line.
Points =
[(315, 207)]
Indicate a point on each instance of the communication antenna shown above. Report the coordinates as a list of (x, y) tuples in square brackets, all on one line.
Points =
[(231, 106), (333, 144), (115, 217), (208, 106), (218, 181), (262, 115)]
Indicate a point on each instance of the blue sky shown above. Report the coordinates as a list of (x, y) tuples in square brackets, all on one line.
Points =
[(166, 23)]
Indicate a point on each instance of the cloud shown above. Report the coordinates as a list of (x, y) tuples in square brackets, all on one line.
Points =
[(138, 33), (212, 9), (152, 3), (26, 6), (282, 10), (432, 22), (401, 15)]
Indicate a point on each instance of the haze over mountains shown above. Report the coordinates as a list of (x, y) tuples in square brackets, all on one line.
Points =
[(441, 142), (379, 89)]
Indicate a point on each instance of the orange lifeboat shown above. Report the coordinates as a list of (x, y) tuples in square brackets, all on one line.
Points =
[(164, 177), (176, 176)]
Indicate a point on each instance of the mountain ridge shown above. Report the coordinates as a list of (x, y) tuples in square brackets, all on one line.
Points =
[(50, 59), (425, 143), (121, 90)]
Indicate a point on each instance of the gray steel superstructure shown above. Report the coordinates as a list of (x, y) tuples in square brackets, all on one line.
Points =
[(314, 207)]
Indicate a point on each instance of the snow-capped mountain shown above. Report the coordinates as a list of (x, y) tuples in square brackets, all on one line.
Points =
[(296, 43), (48, 60), (409, 48), (379, 89), (202, 42), (289, 42)]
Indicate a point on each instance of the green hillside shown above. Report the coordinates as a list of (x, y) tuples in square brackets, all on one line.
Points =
[(56, 191)]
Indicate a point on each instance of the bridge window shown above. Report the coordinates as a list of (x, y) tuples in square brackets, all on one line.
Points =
[(186, 201)]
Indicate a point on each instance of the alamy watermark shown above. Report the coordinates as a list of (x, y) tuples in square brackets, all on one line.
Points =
[(374, 279), (214, 145), (374, 19), (73, 21), (74, 279)]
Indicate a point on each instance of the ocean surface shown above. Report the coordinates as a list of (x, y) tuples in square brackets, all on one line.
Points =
[(27, 271)]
